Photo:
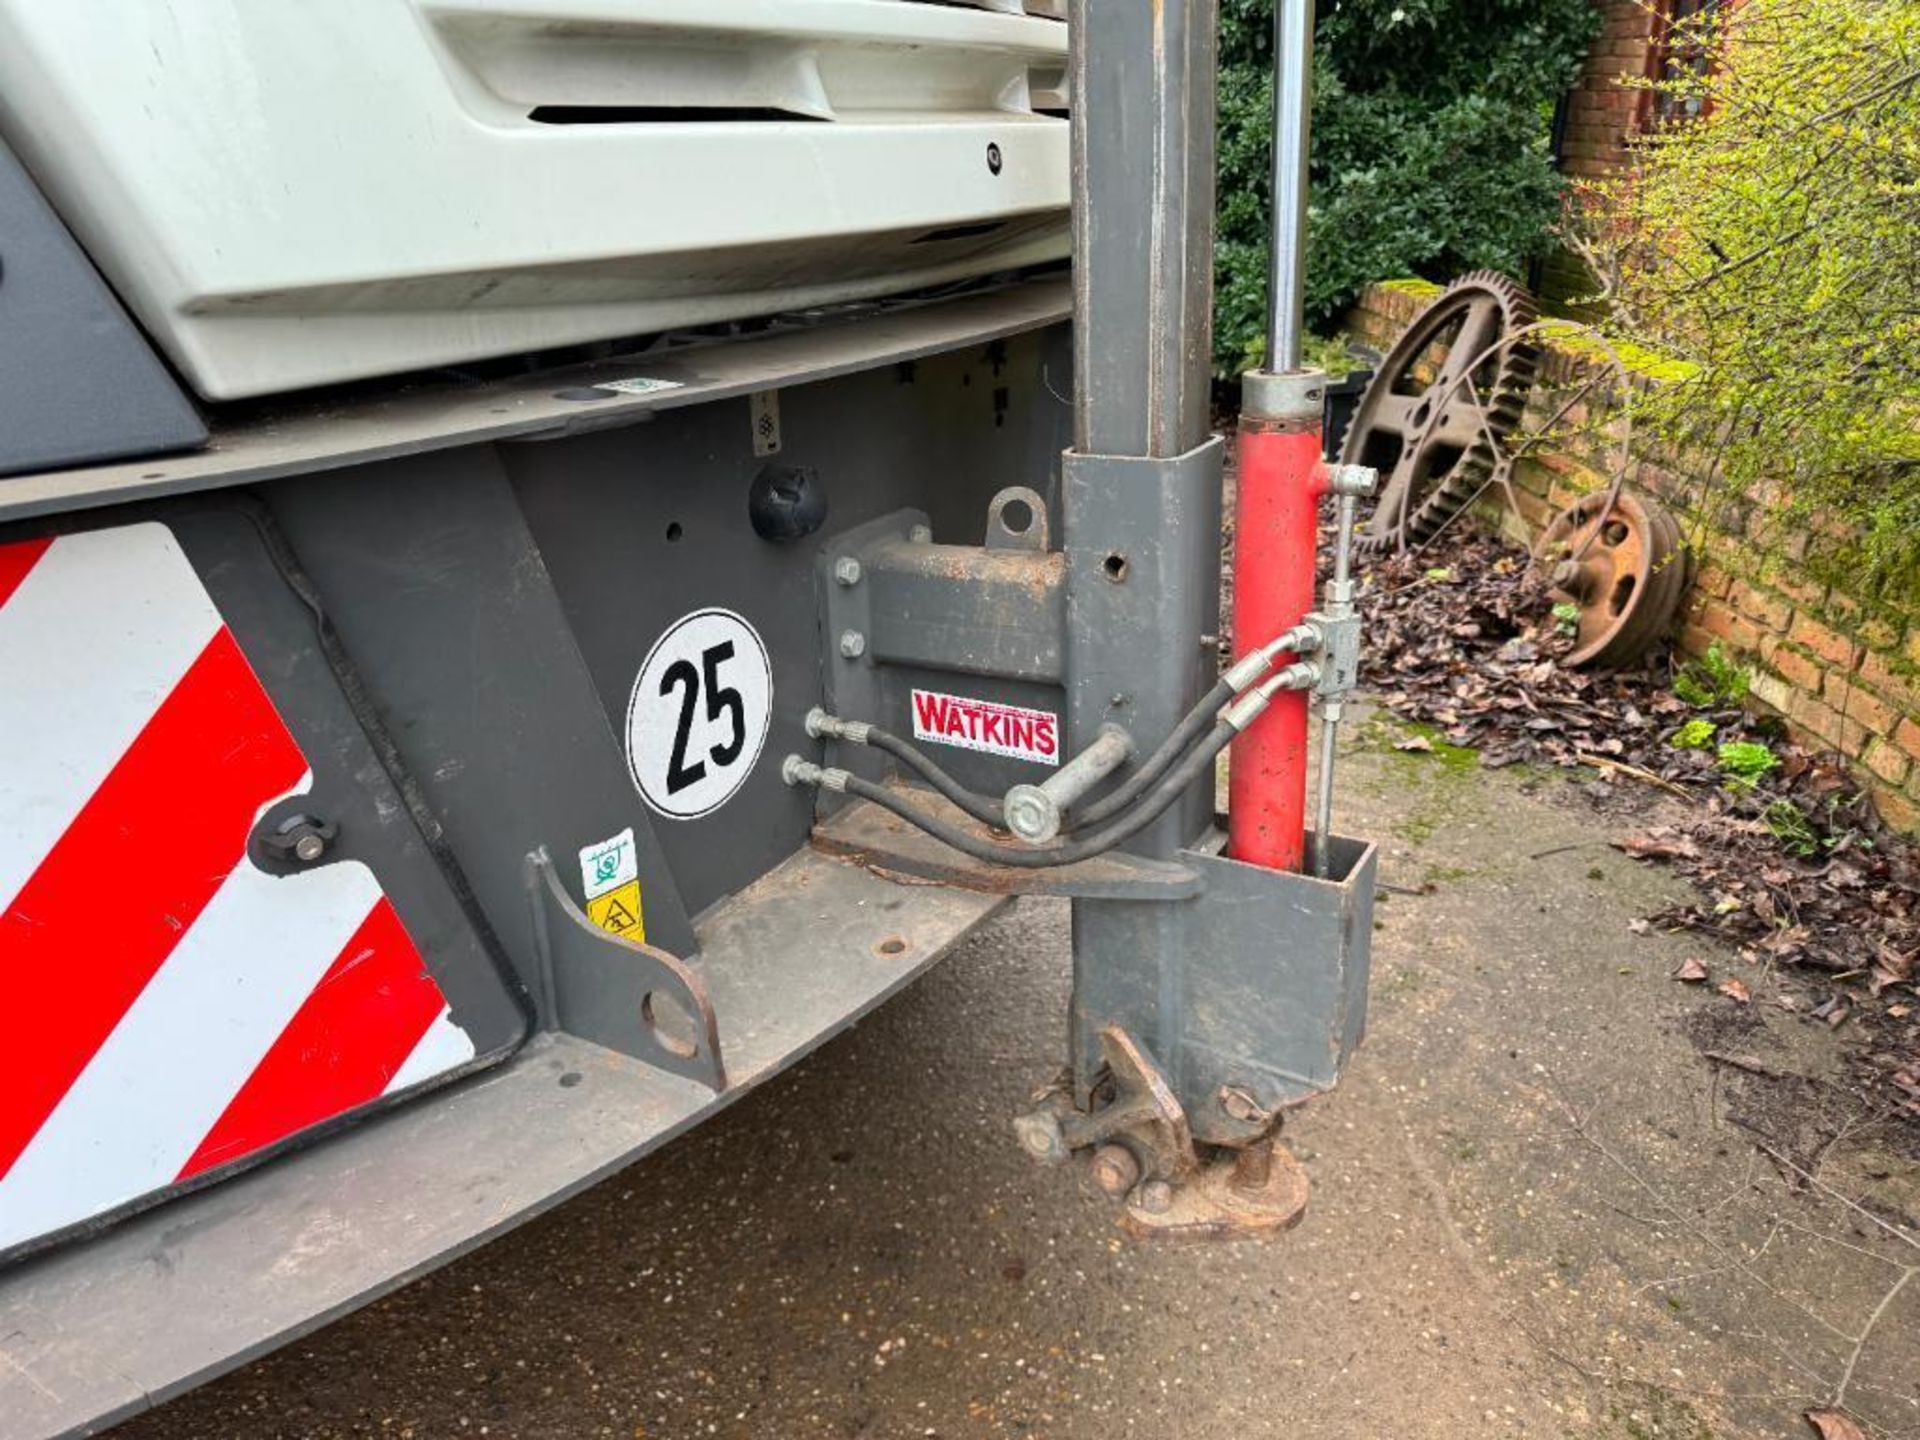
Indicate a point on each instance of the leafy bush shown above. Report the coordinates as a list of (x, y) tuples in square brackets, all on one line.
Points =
[(1694, 735), (1747, 762), (1430, 154), (1712, 680), (1772, 247), (1789, 824)]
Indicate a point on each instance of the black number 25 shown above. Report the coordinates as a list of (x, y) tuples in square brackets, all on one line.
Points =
[(721, 700)]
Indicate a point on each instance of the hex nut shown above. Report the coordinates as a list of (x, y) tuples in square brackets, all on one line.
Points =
[(921, 534), (852, 644), (1155, 1197), (1115, 1170), (846, 570)]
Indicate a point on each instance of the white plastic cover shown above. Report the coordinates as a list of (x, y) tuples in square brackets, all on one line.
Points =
[(290, 193)]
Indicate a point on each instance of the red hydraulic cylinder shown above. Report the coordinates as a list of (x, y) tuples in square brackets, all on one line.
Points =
[(1276, 533)]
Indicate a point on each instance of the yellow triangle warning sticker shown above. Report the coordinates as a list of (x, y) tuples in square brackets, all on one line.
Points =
[(618, 911)]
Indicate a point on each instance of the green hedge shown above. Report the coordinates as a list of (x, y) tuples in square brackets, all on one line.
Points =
[(1431, 123)]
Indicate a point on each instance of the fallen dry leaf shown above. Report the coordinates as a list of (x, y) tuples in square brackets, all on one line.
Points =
[(1415, 742), (1832, 1425), (1691, 971), (1661, 844), (1736, 990), (1834, 914)]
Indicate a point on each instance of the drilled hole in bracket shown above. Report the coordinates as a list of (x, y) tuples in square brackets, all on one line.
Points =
[(1016, 517), (1114, 567), (670, 1024), (892, 947)]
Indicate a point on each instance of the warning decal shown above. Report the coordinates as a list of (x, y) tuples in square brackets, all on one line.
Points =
[(994, 729), (619, 912), (226, 1007), (610, 876)]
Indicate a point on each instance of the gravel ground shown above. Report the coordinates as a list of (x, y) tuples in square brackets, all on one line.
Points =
[(1538, 1210)]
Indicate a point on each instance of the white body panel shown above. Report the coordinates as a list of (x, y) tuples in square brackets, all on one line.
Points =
[(290, 193)]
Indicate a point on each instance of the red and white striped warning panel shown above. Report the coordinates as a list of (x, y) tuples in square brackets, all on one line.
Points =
[(175, 1007)]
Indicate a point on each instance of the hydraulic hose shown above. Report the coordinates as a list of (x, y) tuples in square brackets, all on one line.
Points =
[(1191, 727), (983, 808), (1163, 795), (989, 811)]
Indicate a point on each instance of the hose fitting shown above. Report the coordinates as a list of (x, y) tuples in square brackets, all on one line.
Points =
[(1301, 675), (1302, 639), (822, 726), (797, 770)]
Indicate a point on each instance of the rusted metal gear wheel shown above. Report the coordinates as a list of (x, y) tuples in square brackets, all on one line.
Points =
[(1620, 560), (1437, 441)]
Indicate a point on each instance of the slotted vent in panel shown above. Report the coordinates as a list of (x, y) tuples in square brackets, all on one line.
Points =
[(657, 62)]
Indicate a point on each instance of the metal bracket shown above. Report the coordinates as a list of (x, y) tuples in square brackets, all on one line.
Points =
[(1017, 520), (887, 844), (629, 997), (1143, 1149), (1144, 1115)]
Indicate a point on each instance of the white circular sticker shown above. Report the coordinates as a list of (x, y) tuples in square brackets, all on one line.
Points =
[(699, 714)]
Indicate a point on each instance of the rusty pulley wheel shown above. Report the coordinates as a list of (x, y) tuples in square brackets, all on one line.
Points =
[(1619, 559), (1447, 395)]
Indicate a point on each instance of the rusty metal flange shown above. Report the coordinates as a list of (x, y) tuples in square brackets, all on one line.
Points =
[(1143, 1149), (1258, 1191), (1437, 442), (1620, 560)]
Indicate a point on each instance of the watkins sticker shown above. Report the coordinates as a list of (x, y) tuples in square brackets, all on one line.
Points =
[(1009, 730)]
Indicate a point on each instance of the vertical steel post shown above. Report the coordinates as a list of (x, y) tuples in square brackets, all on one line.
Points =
[(1143, 188), (1281, 480), (1141, 488)]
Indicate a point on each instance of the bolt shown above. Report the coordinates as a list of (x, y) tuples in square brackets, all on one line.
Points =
[(1240, 1104), (1115, 1170), (846, 570), (921, 534), (1039, 1135), (1566, 574), (1031, 815), (301, 839), (1253, 1167), (852, 644), (1156, 1197)]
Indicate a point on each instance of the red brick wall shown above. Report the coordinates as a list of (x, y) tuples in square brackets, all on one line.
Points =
[(1844, 676), (1602, 114)]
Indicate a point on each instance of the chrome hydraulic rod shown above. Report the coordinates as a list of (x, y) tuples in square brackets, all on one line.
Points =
[(1292, 141)]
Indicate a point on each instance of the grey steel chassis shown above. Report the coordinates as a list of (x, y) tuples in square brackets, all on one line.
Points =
[(484, 563)]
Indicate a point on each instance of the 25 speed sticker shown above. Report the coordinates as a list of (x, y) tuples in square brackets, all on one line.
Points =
[(699, 712)]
